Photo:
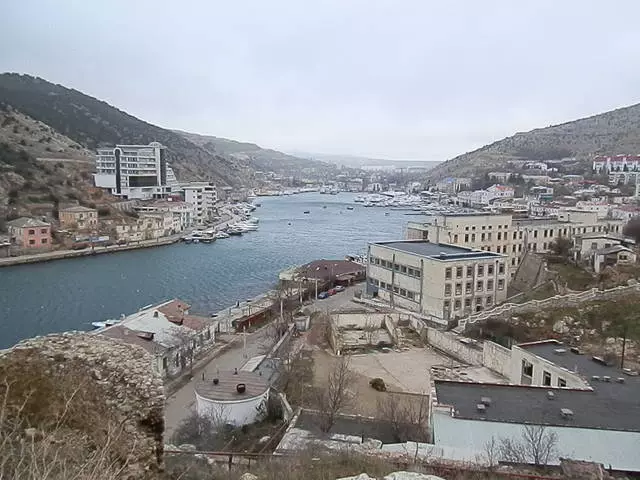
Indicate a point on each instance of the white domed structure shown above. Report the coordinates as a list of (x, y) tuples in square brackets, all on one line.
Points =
[(233, 398)]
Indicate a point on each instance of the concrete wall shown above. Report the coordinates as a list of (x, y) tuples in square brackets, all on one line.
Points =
[(238, 413), (540, 365), (615, 448), (497, 358), (450, 344)]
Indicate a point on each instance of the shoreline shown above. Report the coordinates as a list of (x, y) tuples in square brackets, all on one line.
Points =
[(63, 254)]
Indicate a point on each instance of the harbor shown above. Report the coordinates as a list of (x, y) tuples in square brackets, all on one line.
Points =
[(70, 294)]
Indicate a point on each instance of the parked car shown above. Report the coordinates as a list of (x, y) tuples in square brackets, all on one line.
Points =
[(339, 288), (323, 295), (332, 291)]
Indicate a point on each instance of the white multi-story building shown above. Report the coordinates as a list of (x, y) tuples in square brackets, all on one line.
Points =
[(135, 171), (203, 196), (616, 163), (183, 213), (437, 279), (484, 197)]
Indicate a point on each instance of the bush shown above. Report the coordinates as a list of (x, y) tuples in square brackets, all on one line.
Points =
[(378, 384)]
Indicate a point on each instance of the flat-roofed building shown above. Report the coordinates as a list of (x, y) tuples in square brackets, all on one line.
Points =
[(437, 279)]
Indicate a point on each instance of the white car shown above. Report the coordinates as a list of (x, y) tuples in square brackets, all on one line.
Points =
[(339, 288)]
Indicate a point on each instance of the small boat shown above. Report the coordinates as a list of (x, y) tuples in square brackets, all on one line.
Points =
[(222, 235), (386, 214), (349, 208), (97, 325), (234, 231), (306, 212), (324, 206)]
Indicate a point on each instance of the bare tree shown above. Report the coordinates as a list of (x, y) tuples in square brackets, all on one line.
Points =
[(206, 432), (537, 445), (491, 452), (186, 340), (370, 330), (334, 396), (407, 415)]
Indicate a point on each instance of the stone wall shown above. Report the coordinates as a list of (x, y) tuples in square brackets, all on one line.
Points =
[(96, 390), (450, 344), (571, 300)]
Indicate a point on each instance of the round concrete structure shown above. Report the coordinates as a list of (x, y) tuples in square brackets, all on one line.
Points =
[(233, 398)]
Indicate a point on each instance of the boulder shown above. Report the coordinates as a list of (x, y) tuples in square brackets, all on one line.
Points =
[(561, 327)]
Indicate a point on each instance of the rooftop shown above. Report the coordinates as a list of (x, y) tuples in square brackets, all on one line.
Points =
[(226, 388), (438, 251), (608, 405), (26, 222), (613, 249), (323, 269)]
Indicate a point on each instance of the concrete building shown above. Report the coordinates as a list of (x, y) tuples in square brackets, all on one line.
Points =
[(169, 331), (78, 218), (616, 163), (135, 171), (484, 197), (513, 236), (234, 398), (29, 233), (591, 407), (148, 226), (183, 213), (203, 196), (437, 279), (453, 185)]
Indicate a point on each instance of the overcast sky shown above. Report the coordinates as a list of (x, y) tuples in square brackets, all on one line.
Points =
[(402, 79)]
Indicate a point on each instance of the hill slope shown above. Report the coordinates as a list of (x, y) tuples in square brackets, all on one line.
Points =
[(614, 132), (262, 159), (92, 123)]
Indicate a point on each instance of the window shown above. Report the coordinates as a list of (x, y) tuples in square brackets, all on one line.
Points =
[(403, 269), (483, 227), (489, 269), (396, 267), (164, 363), (520, 235), (468, 288), (418, 273), (32, 232), (489, 236), (489, 285), (479, 286), (480, 270), (515, 234), (544, 246), (403, 292), (466, 228), (562, 382), (396, 289), (535, 234), (43, 241), (458, 289), (447, 273), (527, 368), (513, 249), (499, 235), (411, 295), (410, 271), (457, 305), (447, 289), (32, 242), (482, 237), (520, 248), (473, 237), (467, 302), (501, 283), (383, 263), (501, 268), (455, 238), (466, 238), (383, 285), (546, 379), (513, 262), (447, 304), (43, 231), (458, 272), (489, 301), (469, 271)]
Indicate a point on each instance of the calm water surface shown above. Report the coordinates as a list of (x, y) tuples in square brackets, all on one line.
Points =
[(70, 294)]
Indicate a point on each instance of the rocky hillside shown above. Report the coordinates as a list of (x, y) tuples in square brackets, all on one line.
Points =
[(91, 123), (261, 159), (614, 132)]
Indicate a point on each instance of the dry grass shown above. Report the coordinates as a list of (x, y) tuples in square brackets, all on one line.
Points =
[(54, 424)]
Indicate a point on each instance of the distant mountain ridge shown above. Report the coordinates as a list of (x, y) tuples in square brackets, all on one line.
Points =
[(355, 161), (262, 159), (613, 132)]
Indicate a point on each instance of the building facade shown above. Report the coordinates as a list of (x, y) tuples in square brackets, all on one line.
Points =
[(441, 280), (135, 171), (204, 197), (183, 213), (78, 218), (512, 236), (29, 233)]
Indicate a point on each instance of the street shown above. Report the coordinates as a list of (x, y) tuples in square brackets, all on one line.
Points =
[(182, 401)]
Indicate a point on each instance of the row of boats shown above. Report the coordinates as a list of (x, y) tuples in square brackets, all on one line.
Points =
[(210, 235), (402, 201)]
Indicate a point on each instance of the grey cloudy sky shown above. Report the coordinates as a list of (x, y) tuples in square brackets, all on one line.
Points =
[(419, 79)]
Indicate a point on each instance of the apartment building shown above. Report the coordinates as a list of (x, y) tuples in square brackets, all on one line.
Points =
[(183, 213), (29, 233), (78, 218), (453, 185), (135, 171), (438, 279), (203, 196), (616, 163), (509, 235)]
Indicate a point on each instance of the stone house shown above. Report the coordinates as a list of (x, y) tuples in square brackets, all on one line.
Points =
[(78, 218), (29, 233)]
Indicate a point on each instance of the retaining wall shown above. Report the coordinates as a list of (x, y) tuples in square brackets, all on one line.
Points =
[(497, 358), (450, 344)]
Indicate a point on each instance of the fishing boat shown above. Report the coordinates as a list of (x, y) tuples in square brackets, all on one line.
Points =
[(222, 235), (349, 208), (234, 231), (306, 212)]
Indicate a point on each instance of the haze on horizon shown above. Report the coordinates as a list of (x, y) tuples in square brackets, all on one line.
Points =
[(407, 80)]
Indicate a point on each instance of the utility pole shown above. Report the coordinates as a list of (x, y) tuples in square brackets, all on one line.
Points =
[(244, 341)]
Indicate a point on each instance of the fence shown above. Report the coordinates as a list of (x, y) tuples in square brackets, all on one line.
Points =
[(558, 301)]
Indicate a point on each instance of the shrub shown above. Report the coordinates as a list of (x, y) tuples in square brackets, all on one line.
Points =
[(378, 384)]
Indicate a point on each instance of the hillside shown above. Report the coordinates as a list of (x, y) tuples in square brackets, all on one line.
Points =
[(92, 123), (354, 161), (261, 159), (614, 132)]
